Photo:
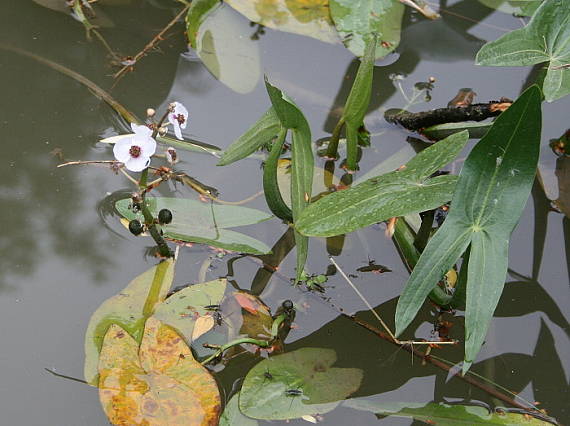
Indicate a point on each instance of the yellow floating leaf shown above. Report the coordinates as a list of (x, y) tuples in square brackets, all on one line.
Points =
[(305, 17), (160, 383)]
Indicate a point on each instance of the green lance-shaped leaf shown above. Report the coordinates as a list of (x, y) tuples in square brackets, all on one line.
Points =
[(196, 15), (302, 162), (357, 20), (129, 309), (263, 131), (546, 38), (358, 101), (492, 190), (398, 193)]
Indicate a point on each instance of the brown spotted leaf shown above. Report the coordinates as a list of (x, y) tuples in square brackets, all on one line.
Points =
[(160, 383)]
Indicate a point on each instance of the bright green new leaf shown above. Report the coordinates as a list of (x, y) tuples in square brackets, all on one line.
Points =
[(442, 414), (439, 131), (490, 195), (204, 223), (357, 20), (398, 193), (302, 162), (263, 131), (316, 386), (129, 309), (546, 38)]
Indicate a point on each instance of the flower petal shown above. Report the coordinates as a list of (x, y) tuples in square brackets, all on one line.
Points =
[(121, 149), (147, 146), (141, 131), (177, 130), (138, 164)]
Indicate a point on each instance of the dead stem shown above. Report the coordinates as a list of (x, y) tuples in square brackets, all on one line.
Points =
[(85, 162), (392, 336), (151, 44)]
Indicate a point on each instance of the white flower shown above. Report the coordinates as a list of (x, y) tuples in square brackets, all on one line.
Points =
[(136, 149), (178, 118)]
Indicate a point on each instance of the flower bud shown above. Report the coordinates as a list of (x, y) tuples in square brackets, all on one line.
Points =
[(150, 112), (136, 227), (287, 305), (164, 217)]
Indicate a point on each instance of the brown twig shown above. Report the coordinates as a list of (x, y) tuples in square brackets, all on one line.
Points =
[(151, 44)]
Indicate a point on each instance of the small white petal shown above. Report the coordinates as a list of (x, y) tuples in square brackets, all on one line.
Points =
[(137, 164), (141, 131), (147, 146), (177, 130), (121, 150)]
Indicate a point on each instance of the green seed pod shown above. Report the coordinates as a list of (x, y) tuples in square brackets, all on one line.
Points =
[(136, 227), (164, 217)]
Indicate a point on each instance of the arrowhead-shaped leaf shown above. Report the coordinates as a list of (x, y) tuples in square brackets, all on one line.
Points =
[(490, 195), (546, 38)]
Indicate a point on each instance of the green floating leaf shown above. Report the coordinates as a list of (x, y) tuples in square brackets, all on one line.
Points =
[(357, 20), (263, 131), (302, 162), (315, 386), (129, 309), (492, 190), (442, 414), (204, 223), (310, 18), (398, 193), (185, 307), (546, 38), (158, 383), (232, 416)]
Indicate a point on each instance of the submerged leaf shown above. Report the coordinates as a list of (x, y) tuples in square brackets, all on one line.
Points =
[(492, 190), (129, 309), (397, 193), (357, 20), (160, 383), (204, 223), (298, 383), (224, 45), (546, 38)]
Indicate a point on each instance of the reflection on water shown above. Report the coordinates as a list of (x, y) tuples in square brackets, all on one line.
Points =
[(62, 252)]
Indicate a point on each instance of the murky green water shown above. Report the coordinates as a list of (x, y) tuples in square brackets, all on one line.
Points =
[(61, 256)]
